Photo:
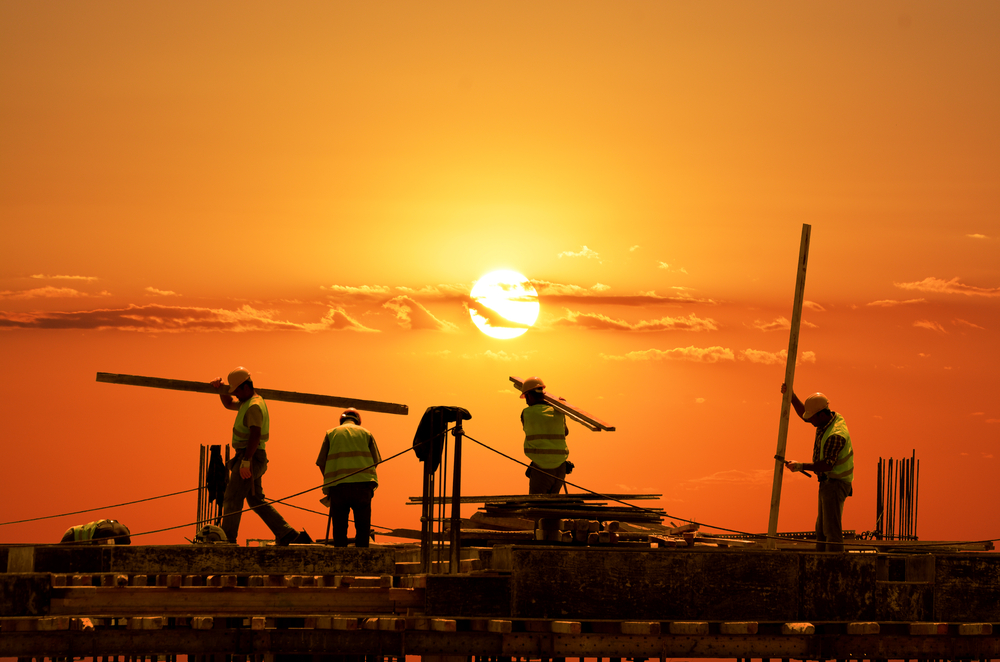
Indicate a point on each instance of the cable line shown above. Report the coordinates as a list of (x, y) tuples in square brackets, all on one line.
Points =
[(90, 510)]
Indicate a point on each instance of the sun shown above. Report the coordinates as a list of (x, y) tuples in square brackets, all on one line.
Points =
[(504, 304)]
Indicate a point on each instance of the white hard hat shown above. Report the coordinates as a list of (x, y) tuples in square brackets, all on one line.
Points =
[(237, 377), (531, 384), (815, 403)]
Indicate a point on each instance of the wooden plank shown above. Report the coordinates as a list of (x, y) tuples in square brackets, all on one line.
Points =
[(520, 500), (975, 629), (928, 629), (567, 627), (640, 627), (689, 627), (786, 400), (865, 628), (738, 627), (20, 559), (798, 628), (201, 601), (266, 393), (589, 421), (443, 624)]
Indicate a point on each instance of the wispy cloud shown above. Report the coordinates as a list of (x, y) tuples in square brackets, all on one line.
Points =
[(812, 305), (155, 318), (437, 292), (961, 322), (774, 358), (574, 294), (667, 267), (361, 293), (889, 303), (927, 324), (780, 324), (585, 252), (160, 293), (977, 236), (601, 322), (415, 317), (729, 478), (993, 420), (501, 356), (50, 292), (696, 354), (47, 277), (952, 286), (634, 248)]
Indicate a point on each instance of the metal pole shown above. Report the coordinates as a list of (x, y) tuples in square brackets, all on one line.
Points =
[(786, 401), (456, 499), (201, 488)]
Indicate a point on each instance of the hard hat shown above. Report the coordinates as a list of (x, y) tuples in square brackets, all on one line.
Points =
[(531, 384), (351, 413), (237, 377), (815, 403), (211, 533)]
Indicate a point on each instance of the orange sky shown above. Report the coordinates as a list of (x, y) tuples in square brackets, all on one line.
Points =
[(311, 190)]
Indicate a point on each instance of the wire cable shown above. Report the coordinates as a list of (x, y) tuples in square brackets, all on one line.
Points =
[(90, 510)]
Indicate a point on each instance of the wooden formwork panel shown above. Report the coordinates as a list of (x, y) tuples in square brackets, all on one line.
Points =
[(967, 588)]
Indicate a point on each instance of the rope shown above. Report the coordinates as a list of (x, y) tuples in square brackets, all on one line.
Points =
[(90, 510)]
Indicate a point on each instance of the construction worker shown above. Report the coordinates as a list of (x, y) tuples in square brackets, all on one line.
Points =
[(545, 433), (833, 462), (102, 531), (250, 435), (347, 461)]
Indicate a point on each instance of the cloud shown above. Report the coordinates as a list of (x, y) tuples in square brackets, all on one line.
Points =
[(574, 294), (155, 318), (700, 401), (952, 286), (363, 293), (993, 420), (49, 292), (501, 356), (437, 292), (889, 303), (977, 236), (774, 358), (730, 478), (161, 293), (47, 277), (779, 324), (633, 249), (415, 317), (584, 252), (600, 287), (961, 322), (812, 305), (601, 322), (927, 324), (695, 354), (664, 265)]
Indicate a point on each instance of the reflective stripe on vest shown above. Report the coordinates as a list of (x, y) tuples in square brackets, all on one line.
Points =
[(241, 433), (349, 458), (85, 531), (844, 468), (545, 436)]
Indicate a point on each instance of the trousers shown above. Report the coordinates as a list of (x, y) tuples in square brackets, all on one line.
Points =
[(344, 498), (252, 491), (543, 483), (830, 515)]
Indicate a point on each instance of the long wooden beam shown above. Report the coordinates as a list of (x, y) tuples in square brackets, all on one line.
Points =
[(589, 421), (266, 393)]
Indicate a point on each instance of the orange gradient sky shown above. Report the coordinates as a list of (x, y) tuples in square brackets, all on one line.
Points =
[(311, 190)]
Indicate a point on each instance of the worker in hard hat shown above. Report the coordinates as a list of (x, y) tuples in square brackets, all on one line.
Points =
[(833, 462), (250, 436), (347, 460), (109, 531), (545, 433)]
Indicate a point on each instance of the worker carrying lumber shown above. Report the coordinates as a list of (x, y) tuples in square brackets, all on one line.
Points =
[(102, 531), (249, 463), (347, 460), (545, 433), (833, 462)]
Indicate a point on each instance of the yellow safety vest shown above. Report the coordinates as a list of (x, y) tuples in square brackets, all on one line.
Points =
[(844, 467), (545, 435), (241, 433), (83, 532), (348, 453)]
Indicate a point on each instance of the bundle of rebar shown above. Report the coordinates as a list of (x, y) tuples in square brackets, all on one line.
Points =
[(896, 503)]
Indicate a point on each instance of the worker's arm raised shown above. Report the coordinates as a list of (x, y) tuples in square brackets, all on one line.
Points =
[(228, 401), (796, 403)]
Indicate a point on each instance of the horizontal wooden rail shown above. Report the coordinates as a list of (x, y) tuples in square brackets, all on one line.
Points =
[(589, 421), (266, 393)]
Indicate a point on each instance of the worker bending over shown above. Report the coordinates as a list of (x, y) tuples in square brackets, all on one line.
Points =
[(102, 531), (251, 432), (347, 460), (833, 462), (545, 433)]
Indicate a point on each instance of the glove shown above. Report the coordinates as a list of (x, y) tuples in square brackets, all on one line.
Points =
[(245, 471), (794, 466), (569, 467)]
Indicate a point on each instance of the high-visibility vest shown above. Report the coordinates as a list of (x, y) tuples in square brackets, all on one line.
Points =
[(83, 532), (545, 435), (843, 469), (241, 433), (349, 458)]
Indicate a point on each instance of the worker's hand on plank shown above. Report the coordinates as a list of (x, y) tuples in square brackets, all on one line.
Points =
[(216, 383), (793, 466)]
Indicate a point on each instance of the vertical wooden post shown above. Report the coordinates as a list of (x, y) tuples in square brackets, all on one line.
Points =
[(786, 401), (455, 562), (202, 506)]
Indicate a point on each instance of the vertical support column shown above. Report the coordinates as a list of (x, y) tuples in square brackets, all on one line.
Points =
[(426, 517), (202, 505), (786, 401), (456, 496)]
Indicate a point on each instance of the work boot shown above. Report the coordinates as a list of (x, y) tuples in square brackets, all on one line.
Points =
[(287, 539)]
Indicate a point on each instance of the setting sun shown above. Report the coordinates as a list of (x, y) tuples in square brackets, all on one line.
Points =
[(504, 304)]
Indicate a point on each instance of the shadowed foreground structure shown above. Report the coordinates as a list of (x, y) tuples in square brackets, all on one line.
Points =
[(533, 601)]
